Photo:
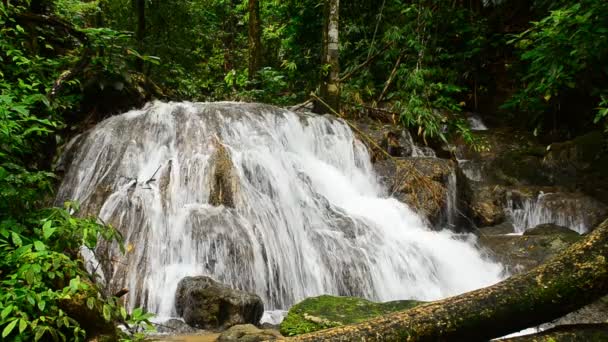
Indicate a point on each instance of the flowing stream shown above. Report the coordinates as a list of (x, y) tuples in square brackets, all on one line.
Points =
[(300, 210)]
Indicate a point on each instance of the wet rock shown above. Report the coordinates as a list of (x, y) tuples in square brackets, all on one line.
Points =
[(249, 333), (89, 319), (576, 204), (325, 311), (224, 181), (530, 206), (421, 183), (499, 229), (579, 153), (175, 326), (484, 203), (204, 303), (551, 229), (520, 253)]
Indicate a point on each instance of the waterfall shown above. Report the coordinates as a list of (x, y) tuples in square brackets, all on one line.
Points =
[(299, 214), (451, 202), (529, 212), (476, 123)]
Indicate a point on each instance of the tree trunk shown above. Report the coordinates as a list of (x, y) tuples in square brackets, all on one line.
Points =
[(255, 40), (140, 33), (330, 85), (573, 279)]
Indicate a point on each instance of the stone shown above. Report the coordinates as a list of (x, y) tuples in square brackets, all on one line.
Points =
[(89, 319), (249, 333), (175, 326), (484, 203), (520, 253), (576, 204), (224, 181), (326, 311), (207, 304), (421, 183), (551, 229), (499, 229)]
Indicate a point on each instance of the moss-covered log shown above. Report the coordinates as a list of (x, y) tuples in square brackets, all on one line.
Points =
[(571, 280)]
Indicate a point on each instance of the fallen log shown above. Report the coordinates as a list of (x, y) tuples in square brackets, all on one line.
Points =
[(571, 280)]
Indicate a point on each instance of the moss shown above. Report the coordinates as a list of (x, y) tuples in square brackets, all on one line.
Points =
[(324, 312)]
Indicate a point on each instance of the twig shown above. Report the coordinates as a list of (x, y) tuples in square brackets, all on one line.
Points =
[(85, 58), (298, 106), (364, 64), (390, 79)]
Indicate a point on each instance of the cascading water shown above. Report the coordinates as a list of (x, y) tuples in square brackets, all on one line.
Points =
[(476, 123), (529, 212), (263, 199)]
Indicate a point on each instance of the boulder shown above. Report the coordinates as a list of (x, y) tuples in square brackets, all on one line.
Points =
[(590, 211), (551, 229), (326, 311), (520, 253), (500, 229), (484, 203), (205, 303), (224, 181), (90, 319), (580, 164), (421, 183), (175, 326), (249, 333)]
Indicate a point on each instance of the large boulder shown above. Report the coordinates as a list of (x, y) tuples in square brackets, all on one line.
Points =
[(484, 203), (575, 204), (421, 183), (580, 164), (326, 311), (520, 253), (224, 181), (207, 304), (556, 205), (551, 229)]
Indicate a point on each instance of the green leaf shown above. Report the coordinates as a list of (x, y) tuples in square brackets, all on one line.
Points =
[(39, 333), (90, 303), (6, 311), (47, 229), (16, 239), (7, 330), (39, 246), (22, 325), (41, 305), (107, 312)]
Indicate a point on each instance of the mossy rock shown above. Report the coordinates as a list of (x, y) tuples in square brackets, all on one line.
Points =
[(326, 311)]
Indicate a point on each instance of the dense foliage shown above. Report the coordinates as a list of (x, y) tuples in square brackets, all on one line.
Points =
[(564, 58), (423, 63), (43, 285)]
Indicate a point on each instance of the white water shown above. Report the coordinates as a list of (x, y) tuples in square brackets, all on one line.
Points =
[(530, 212), (309, 216), (476, 123)]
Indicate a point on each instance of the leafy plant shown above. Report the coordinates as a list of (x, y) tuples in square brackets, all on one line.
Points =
[(563, 54)]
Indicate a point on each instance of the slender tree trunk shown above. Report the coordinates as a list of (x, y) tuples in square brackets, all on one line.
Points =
[(255, 38), (140, 32), (330, 85), (573, 279)]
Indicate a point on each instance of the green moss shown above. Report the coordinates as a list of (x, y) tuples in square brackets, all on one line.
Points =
[(324, 312)]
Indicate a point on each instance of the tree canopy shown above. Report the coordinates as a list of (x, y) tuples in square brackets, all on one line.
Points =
[(65, 64)]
